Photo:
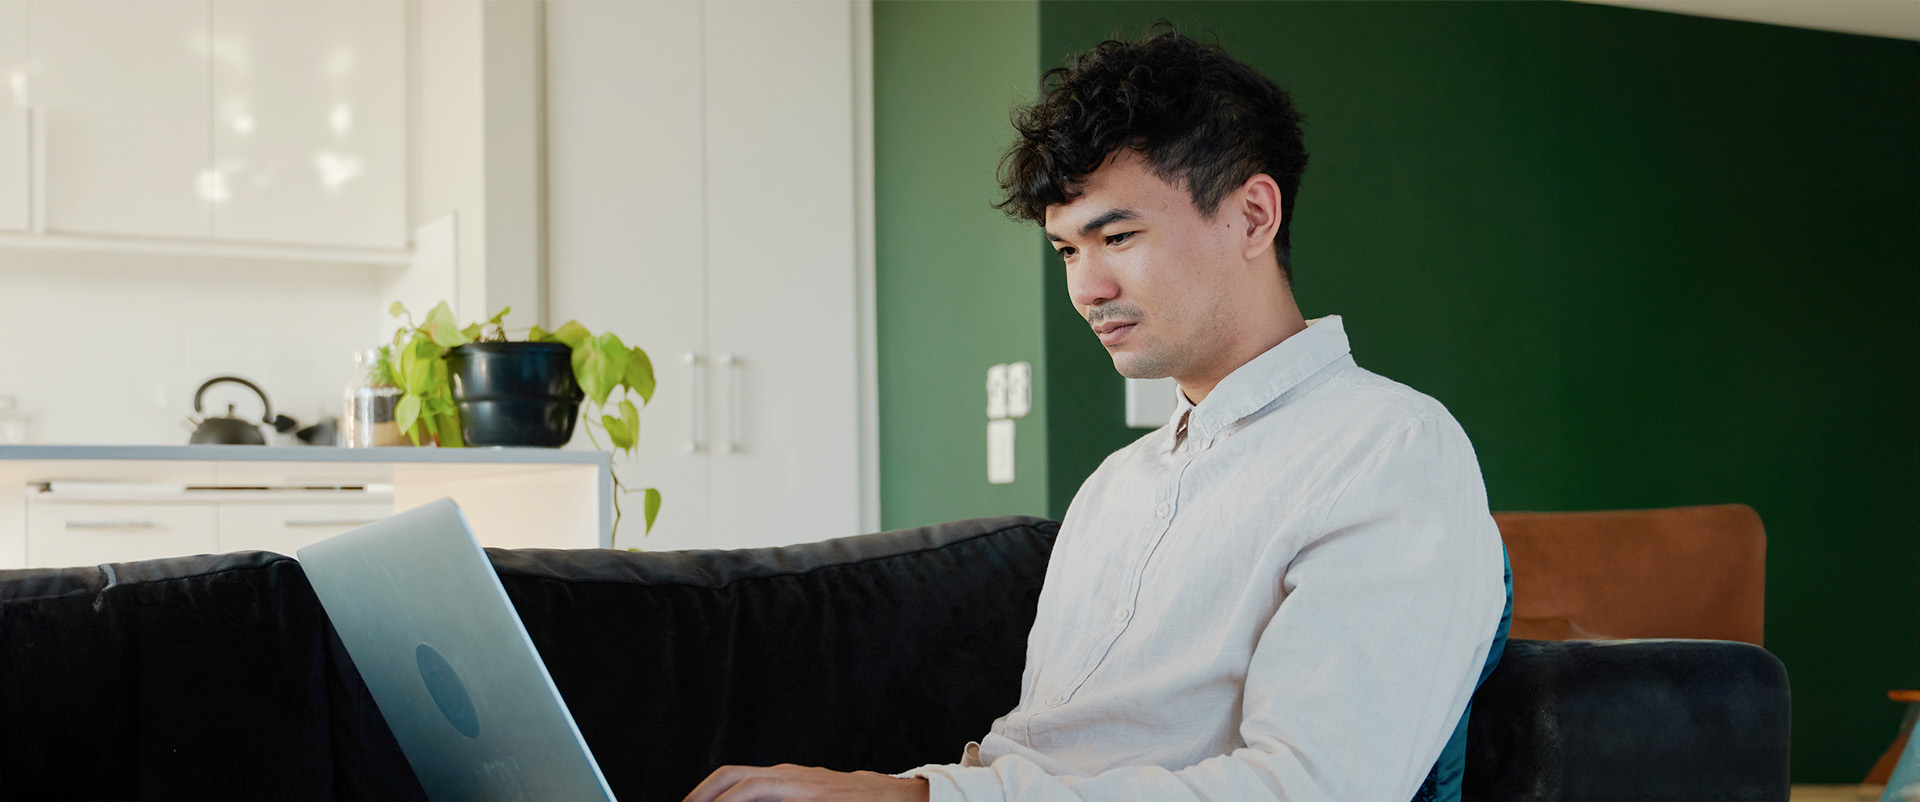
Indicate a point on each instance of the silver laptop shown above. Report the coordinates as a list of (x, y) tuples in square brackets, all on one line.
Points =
[(421, 611)]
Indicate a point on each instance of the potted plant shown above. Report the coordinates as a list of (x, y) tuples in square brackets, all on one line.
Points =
[(475, 386)]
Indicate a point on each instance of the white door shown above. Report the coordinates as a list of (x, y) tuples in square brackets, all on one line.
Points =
[(14, 137), (309, 122), (122, 98), (626, 216), (780, 254)]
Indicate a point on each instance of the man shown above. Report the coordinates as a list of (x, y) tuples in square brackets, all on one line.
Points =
[(1291, 590)]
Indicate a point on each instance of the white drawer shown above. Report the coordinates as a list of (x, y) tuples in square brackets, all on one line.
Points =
[(69, 534), (284, 528)]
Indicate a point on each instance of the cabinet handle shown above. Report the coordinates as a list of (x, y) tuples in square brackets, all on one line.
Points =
[(697, 414), (332, 522), (35, 122), (733, 403), (112, 525)]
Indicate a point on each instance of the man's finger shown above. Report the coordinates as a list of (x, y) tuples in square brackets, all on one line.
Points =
[(718, 782), (765, 785)]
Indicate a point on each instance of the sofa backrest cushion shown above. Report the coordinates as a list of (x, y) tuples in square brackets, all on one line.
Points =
[(879, 652), (187, 678)]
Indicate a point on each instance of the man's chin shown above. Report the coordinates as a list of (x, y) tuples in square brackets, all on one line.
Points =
[(1134, 366)]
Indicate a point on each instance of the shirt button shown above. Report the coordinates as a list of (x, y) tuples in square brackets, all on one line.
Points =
[(1163, 509), (1055, 700), (1122, 614)]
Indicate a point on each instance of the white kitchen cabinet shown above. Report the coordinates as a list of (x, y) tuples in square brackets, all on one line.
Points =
[(91, 533), (780, 270), (122, 103), (309, 122), (15, 169), (285, 528), (246, 123), (63, 505), (700, 204)]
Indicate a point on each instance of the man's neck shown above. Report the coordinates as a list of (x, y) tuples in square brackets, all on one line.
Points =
[(1286, 324)]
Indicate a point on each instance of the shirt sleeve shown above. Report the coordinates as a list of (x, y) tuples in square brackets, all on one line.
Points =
[(1359, 678)]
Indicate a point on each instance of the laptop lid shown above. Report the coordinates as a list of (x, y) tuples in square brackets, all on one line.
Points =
[(422, 613)]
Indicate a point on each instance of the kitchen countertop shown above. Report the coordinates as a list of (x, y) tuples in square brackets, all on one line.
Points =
[(392, 454)]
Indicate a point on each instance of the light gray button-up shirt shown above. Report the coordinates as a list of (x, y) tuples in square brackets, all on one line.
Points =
[(1286, 593)]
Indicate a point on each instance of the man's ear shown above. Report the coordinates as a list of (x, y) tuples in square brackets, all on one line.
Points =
[(1260, 209)]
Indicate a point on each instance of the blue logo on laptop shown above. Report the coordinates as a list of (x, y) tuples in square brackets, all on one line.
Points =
[(447, 691)]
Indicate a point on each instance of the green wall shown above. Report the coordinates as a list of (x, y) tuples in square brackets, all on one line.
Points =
[(1646, 259), (956, 286)]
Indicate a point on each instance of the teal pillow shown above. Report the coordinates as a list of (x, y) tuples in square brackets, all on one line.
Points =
[(1443, 782)]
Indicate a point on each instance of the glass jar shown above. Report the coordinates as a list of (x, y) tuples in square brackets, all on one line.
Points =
[(368, 421)]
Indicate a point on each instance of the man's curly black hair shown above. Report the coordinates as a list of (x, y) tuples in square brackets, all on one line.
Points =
[(1192, 112)]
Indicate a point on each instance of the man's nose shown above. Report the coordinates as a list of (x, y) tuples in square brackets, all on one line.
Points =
[(1090, 284)]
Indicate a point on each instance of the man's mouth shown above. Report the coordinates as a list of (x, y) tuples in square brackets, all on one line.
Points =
[(1113, 331)]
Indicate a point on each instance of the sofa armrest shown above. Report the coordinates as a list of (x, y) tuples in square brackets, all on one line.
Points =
[(1645, 720)]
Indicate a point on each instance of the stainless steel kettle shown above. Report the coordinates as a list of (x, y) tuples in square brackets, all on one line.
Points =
[(227, 429)]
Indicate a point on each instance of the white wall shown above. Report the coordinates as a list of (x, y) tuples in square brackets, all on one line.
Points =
[(109, 348), (475, 66)]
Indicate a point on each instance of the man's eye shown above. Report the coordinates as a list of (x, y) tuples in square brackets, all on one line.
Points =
[(1116, 239), (1064, 252)]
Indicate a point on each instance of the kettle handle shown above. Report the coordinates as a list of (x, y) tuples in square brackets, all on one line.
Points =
[(266, 405)]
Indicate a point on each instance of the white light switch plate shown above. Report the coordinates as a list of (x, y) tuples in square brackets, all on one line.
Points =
[(996, 392), (1019, 389), (999, 452)]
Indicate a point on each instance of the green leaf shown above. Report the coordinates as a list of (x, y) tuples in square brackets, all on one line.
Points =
[(538, 335), (416, 370), (397, 309), (410, 377), (573, 334), (652, 507), (407, 412), (640, 374), (629, 427), (444, 330), (441, 406), (449, 430), (613, 361), (471, 332), (598, 365), (495, 320), (631, 416), (617, 431), (383, 374)]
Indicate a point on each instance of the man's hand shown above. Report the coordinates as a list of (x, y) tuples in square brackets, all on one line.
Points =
[(805, 784)]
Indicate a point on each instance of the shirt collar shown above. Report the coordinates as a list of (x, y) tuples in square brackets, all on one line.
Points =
[(1253, 386)]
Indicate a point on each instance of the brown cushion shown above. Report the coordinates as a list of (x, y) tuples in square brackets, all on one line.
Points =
[(1684, 572)]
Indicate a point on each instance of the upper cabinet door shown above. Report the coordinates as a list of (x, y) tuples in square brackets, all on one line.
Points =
[(122, 102), (14, 169), (309, 122)]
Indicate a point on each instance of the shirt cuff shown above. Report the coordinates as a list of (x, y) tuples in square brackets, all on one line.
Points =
[(941, 786)]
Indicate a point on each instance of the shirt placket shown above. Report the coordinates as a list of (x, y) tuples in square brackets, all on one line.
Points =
[(1165, 509)]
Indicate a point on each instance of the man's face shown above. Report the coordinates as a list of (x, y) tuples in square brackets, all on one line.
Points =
[(1150, 274)]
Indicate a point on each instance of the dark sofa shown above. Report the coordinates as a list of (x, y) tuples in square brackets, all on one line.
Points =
[(218, 677)]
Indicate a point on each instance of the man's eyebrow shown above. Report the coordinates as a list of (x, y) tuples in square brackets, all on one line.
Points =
[(1112, 216)]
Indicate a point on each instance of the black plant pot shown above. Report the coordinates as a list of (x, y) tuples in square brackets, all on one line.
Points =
[(515, 394)]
